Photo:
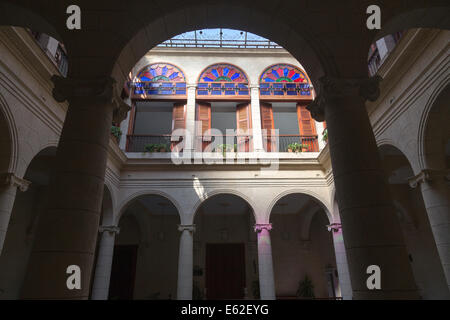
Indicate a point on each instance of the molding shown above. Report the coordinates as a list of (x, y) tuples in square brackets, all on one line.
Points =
[(94, 89), (262, 226), (428, 175), (186, 227), (110, 229), (9, 179)]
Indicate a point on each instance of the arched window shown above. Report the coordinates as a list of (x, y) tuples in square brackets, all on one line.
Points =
[(220, 80), (163, 80), (284, 81)]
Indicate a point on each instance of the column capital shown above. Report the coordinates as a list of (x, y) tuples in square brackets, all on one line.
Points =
[(253, 86), (72, 88), (186, 227), (334, 227), (427, 175), (261, 226), (121, 108), (9, 179), (191, 85), (332, 87), (110, 229)]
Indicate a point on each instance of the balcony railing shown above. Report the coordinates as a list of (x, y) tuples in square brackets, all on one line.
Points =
[(158, 88), (225, 143), (138, 143), (283, 142)]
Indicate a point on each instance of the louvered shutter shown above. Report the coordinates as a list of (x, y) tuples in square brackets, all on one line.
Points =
[(267, 125), (178, 122), (243, 124), (203, 115), (307, 128)]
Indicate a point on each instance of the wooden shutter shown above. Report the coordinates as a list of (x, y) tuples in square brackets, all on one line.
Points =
[(203, 114), (267, 125), (178, 122), (243, 124), (307, 128)]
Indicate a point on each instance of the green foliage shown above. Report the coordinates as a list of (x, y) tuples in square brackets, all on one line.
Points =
[(116, 132), (305, 288), (325, 135), (156, 147), (226, 148), (296, 147)]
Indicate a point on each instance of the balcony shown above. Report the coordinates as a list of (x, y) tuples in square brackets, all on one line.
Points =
[(290, 143)]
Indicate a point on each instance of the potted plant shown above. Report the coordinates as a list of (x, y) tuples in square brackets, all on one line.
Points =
[(116, 132), (223, 148), (150, 147), (305, 288), (297, 147), (162, 147), (325, 135)]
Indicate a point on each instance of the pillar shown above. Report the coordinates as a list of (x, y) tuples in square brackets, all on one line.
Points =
[(67, 230), (341, 261), (256, 119), (102, 276), (185, 262), (189, 145), (9, 183), (436, 197), (265, 264), (372, 233)]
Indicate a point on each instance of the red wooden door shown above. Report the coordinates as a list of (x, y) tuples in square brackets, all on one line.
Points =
[(203, 115), (123, 271), (243, 125), (225, 271), (307, 128), (267, 125), (178, 122)]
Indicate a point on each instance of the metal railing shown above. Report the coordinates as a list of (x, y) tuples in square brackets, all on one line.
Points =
[(283, 142), (158, 88), (224, 143), (220, 43), (138, 143)]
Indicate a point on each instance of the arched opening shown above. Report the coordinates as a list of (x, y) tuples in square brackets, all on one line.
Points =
[(146, 251), (22, 224), (415, 225), (225, 252), (302, 249)]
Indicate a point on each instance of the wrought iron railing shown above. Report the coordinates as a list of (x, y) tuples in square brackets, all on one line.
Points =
[(281, 89), (222, 89), (224, 143), (158, 88), (138, 143), (290, 143)]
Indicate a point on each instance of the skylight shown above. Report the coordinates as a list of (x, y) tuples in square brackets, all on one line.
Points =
[(219, 38)]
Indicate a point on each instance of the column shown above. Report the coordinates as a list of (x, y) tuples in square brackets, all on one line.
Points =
[(102, 276), (265, 264), (9, 183), (256, 119), (190, 118), (436, 197), (341, 261), (185, 262), (67, 230), (319, 129), (371, 230)]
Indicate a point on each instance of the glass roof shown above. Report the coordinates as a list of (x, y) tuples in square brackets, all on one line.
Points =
[(219, 38)]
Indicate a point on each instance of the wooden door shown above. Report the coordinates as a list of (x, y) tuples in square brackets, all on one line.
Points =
[(203, 115), (225, 271), (243, 125), (123, 271), (267, 125), (178, 122), (307, 128)]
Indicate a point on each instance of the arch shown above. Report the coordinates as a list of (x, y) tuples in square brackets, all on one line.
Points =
[(161, 72), (318, 199), (208, 195), (390, 143), (125, 203), (107, 206), (283, 72), (222, 72), (8, 139), (424, 124)]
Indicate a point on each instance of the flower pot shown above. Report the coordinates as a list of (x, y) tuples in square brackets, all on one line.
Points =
[(289, 150)]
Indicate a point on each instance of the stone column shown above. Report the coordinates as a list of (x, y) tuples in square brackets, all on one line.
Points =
[(371, 229), (67, 230), (185, 262), (190, 118), (436, 197), (341, 261), (9, 183), (265, 264), (256, 119), (319, 129), (102, 276)]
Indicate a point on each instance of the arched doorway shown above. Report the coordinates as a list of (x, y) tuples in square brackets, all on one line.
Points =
[(415, 225), (22, 224), (146, 250), (302, 249), (225, 251)]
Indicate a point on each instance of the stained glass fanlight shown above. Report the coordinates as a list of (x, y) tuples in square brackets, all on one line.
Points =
[(283, 73), (161, 72), (223, 73)]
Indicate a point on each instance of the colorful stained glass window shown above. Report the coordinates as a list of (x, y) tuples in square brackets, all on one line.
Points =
[(283, 73), (161, 72), (223, 73)]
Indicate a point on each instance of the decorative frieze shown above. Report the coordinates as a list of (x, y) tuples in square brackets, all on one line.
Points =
[(428, 175), (9, 179)]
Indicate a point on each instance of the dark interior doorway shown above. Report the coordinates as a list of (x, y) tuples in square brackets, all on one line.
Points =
[(225, 271), (123, 272)]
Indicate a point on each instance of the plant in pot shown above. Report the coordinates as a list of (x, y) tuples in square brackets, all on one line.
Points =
[(325, 135), (297, 147), (223, 148), (151, 147), (162, 147), (305, 288), (116, 132)]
